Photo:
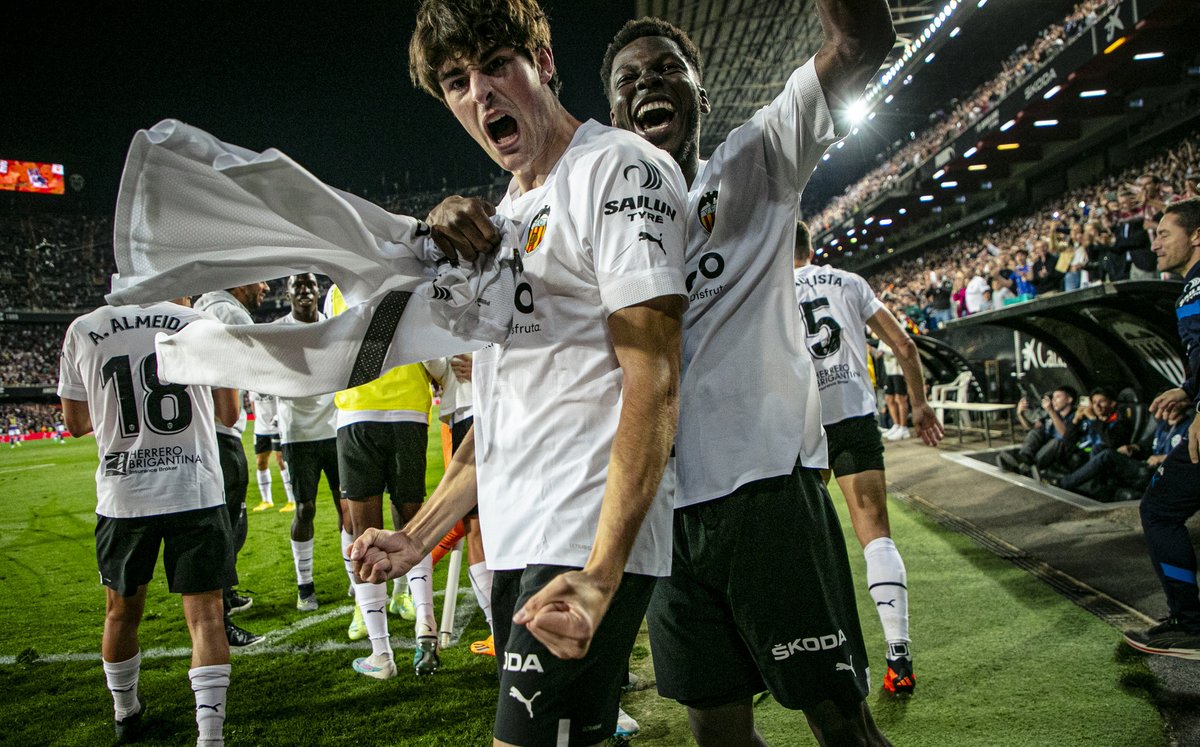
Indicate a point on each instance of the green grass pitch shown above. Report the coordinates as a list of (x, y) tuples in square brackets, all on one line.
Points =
[(1001, 659)]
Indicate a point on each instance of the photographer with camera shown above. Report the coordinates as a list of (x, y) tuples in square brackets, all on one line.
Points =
[(1048, 439)]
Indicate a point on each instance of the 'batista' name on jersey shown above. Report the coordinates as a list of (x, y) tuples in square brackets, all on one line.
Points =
[(641, 207), (141, 321), (814, 280)]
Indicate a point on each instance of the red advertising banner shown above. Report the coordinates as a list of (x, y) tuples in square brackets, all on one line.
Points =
[(31, 176)]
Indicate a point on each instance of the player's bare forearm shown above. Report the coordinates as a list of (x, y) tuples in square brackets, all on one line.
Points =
[(225, 406), (565, 614), (858, 36), (647, 342), (77, 417), (886, 328), (379, 555), (454, 496)]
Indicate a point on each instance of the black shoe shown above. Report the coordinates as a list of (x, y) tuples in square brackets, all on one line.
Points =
[(240, 636), (237, 603), (1168, 638), (129, 729)]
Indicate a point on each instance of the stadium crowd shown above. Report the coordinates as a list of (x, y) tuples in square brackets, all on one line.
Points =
[(29, 354), (947, 123), (55, 261), (1087, 235)]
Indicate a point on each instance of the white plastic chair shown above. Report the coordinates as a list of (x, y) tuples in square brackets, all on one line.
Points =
[(958, 390)]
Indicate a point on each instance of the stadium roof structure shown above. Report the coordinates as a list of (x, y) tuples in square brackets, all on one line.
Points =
[(750, 48)]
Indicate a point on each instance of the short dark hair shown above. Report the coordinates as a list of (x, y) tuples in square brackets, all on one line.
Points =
[(1187, 212), (1068, 390), (647, 26), (447, 29), (1103, 391), (803, 241)]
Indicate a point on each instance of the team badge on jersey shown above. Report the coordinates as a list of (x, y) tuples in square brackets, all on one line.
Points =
[(651, 177), (706, 211), (537, 230)]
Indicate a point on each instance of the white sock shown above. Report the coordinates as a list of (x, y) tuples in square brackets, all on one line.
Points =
[(481, 584), (420, 585), (210, 684), (264, 485), (372, 600), (347, 540), (887, 582), (399, 586), (286, 476), (122, 677), (302, 556)]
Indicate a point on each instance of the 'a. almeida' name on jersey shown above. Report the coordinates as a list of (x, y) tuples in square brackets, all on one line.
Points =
[(642, 206), (140, 321), (819, 279)]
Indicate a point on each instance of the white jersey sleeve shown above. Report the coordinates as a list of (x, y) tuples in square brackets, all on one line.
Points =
[(222, 306)]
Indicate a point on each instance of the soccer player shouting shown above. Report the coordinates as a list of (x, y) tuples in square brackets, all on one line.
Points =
[(750, 442), (159, 483), (575, 412)]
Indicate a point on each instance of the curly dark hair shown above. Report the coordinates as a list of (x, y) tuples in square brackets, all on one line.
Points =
[(447, 29), (647, 26)]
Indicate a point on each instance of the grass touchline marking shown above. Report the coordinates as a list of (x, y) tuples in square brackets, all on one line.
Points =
[(20, 469), (462, 615)]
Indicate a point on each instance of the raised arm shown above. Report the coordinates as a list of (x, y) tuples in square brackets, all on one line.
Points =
[(858, 37), (883, 324), (564, 615)]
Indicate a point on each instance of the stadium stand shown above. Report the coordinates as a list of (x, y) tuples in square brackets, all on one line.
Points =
[(954, 118), (1084, 218)]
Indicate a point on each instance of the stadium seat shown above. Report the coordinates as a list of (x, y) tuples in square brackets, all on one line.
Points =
[(958, 390)]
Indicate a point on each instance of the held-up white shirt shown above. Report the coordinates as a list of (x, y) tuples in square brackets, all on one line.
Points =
[(305, 418)]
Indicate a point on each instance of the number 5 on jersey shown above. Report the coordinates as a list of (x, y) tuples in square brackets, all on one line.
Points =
[(816, 326)]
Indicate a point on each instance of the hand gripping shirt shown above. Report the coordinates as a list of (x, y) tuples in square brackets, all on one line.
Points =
[(834, 308), (156, 440), (604, 232), (749, 407)]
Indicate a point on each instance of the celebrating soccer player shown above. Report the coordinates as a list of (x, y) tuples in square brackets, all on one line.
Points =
[(576, 410), (750, 443)]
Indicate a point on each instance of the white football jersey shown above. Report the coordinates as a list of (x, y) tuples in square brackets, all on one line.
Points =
[(222, 306), (834, 308), (156, 440), (266, 406), (305, 418), (749, 404), (604, 232)]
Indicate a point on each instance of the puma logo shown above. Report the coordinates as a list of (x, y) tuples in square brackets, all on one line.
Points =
[(890, 603), (378, 611), (515, 693), (418, 578), (643, 236), (215, 708), (840, 667)]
